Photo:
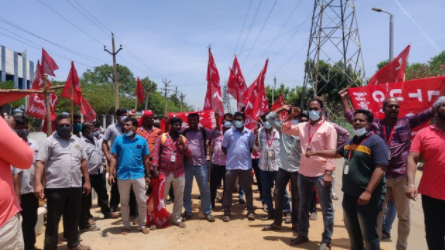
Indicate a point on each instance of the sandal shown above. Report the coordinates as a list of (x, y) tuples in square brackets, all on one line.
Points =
[(145, 230), (271, 227), (125, 231), (91, 228), (180, 224), (112, 215), (226, 218), (251, 216), (334, 197), (81, 247), (153, 227), (288, 219), (267, 217)]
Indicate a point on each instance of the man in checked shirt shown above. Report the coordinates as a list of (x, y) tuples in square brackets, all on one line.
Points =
[(396, 132), (168, 159)]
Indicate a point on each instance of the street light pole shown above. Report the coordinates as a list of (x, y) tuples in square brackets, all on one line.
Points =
[(391, 32)]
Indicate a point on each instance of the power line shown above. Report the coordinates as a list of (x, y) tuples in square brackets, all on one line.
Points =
[(261, 30), (71, 22), (93, 16), (245, 18), (288, 18), (106, 33), (289, 60), (251, 26)]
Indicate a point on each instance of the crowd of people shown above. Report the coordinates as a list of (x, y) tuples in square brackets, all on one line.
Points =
[(292, 161)]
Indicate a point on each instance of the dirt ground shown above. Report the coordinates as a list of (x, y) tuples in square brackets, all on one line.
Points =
[(239, 233)]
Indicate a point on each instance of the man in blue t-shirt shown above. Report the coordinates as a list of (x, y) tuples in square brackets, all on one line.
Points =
[(366, 160), (130, 153)]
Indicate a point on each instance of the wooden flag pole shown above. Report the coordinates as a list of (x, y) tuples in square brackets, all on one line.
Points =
[(72, 107), (136, 104), (49, 129)]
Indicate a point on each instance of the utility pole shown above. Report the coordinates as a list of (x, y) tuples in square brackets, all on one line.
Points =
[(116, 87), (165, 95), (146, 96), (274, 87), (182, 96)]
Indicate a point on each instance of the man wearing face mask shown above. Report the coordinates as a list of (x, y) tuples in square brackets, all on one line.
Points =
[(272, 154), (29, 202), (315, 171), (219, 161), (63, 161), (237, 144), (290, 154), (130, 158), (363, 182), (77, 124), (111, 133), (396, 132), (97, 177)]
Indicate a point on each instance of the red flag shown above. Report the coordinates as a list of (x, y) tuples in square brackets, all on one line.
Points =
[(87, 111), (48, 64), (36, 107), (237, 84), (36, 103), (213, 101), (44, 127), (414, 96), (7, 97), (278, 104), (139, 92), (39, 81), (394, 71), (256, 100), (206, 119), (72, 86)]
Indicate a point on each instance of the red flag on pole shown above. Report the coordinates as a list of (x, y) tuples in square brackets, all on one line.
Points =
[(36, 103), (213, 99), (39, 81), (394, 71), (36, 106), (72, 86), (280, 102), (87, 111), (48, 64), (139, 92), (256, 100), (237, 84)]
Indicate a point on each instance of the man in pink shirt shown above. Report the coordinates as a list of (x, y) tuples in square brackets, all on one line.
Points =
[(317, 134), (429, 143), (17, 153)]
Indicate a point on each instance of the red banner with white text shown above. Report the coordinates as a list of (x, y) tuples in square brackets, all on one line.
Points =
[(206, 119), (278, 104)]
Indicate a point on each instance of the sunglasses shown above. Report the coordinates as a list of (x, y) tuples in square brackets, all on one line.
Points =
[(64, 126)]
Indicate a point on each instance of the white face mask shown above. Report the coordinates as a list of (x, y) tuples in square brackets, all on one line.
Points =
[(267, 125), (359, 132), (314, 115), (130, 133), (295, 122), (239, 124)]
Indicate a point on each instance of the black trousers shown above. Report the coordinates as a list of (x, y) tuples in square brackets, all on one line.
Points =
[(66, 202), (216, 174), (434, 212), (29, 205), (256, 169), (283, 178), (313, 207), (115, 197)]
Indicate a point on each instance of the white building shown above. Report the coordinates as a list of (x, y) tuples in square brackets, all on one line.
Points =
[(15, 67)]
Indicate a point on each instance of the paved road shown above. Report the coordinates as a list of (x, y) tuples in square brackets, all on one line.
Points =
[(416, 238)]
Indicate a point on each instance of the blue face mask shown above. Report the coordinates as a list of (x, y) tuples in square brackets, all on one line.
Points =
[(314, 115), (267, 125), (228, 124), (130, 133), (77, 127), (239, 124), (295, 122)]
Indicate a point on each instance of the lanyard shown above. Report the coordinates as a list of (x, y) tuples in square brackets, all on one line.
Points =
[(309, 131), (350, 145), (391, 135), (269, 142)]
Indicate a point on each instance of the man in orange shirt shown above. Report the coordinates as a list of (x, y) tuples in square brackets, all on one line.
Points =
[(148, 131)]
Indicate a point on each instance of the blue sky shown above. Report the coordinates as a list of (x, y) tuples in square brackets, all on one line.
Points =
[(171, 37)]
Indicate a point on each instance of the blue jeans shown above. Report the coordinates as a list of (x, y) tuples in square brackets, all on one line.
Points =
[(240, 191), (361, 222), (268, 180), (390, 216), (201, 174), (305, 185)]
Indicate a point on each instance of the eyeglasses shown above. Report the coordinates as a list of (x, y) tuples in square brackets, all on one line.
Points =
[(393, 106), (64, 126)]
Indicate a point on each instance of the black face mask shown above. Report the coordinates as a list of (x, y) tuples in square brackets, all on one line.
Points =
[(64, 132), (441, 115), (175, 132), (23, 133)]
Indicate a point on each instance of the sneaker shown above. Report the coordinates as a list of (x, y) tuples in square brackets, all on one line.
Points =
[(210, 218), (186, 217), (313, 216), (168, 202), (242, 201), (386, 235), (325, 246), (299, 240)]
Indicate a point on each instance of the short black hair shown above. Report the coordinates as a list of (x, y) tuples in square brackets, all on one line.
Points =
[(62, 117), (77, 116), (240, 114), (119, 112), (86, 126), (317, 100), (96, 124), (175, 120), (230, 115), (193, 115), (304, 114), (134, 121), (21, 120), (367, 113), (157, 125)]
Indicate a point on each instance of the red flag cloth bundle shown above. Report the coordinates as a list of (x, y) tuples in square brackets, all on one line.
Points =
[(48, 64), (213, 99), (36, 105), (394, 71), (139, 92), (87, 111), (206, 119), (278, 104), (255, 99), (414, 96), (72, 86), (236, 85), (157, 214), (7, 97)]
